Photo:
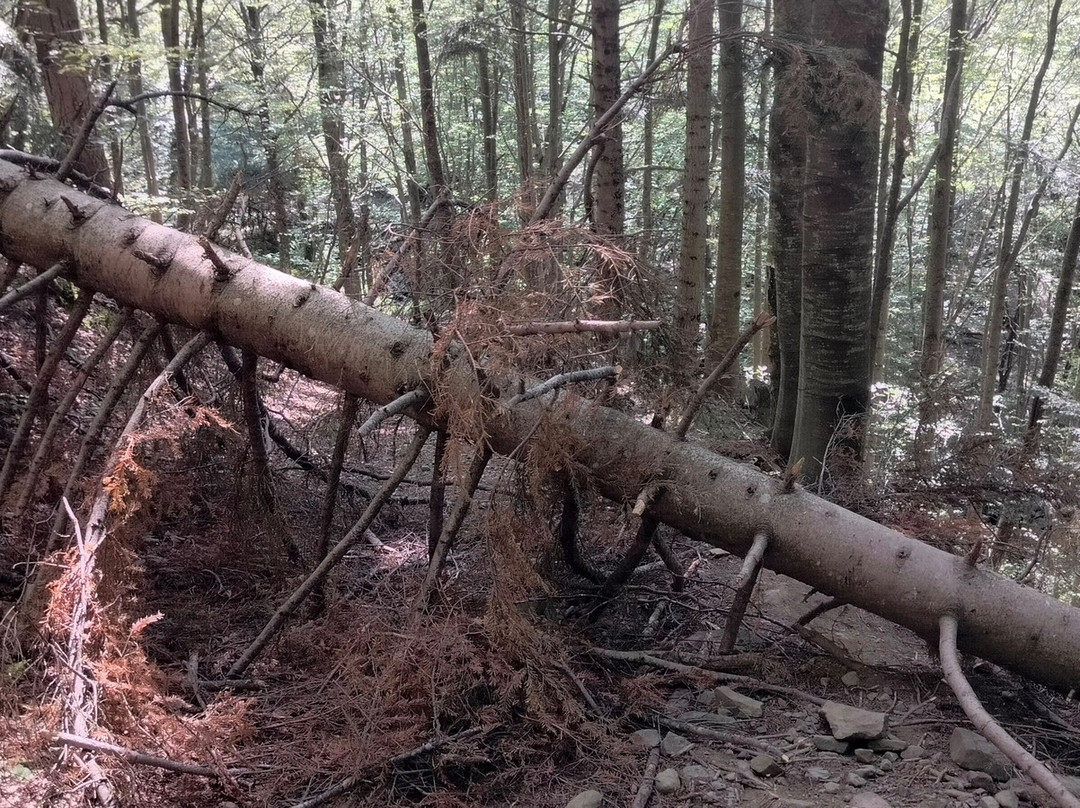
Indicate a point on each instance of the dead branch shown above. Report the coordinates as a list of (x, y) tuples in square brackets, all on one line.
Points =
[(253, 412), (692, 406), (733, 738), (985, 723), (581, 326), (40, 393), (131, 756), (569, 526), (744, 588), (671, 561), (349, 409), (750, 683), (32, 285), (399, 404), (8, 364), (336, 553), (587, 375), (820, 609), (437, 497), (585, 694), (466, 491), (642, 539), (442, 199), (351, 783), (35, 162), (87, 128), (217, 220), (641, 799)]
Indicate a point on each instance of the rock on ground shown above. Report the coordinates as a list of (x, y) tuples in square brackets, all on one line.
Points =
[(970, 750), (849, 723), (586, 799)]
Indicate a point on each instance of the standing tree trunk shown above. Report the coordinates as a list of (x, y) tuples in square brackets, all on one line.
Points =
[(524, 104), (725, 325), (252, 17), (1008, 251), (54, 25), (170, 34), (202, 61), (130, 20), (903, 86), (787, 159), (429, 126), (838, 239), (488, 117), (941, 202), (645, 248), (331, 71), (690, 278), (401, 91)]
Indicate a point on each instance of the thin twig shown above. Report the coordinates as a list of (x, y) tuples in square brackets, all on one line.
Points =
[(31, 286), (399, 404), (131, 756), (641, 799), (991, 729), (580, 326), (744, 588)]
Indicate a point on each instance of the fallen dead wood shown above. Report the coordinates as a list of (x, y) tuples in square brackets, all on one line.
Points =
[(131, 756), (326, 336), (582, 326)]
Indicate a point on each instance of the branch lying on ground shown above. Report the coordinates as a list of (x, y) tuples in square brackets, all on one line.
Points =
[(984, 722), (139, 758)]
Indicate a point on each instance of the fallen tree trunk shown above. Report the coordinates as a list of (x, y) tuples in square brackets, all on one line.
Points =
[(323, 334)]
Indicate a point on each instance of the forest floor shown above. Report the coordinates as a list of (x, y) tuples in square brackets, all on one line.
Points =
[(501, 694)]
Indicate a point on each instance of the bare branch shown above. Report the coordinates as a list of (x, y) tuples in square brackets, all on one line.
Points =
[(587, 375), (578, 326)]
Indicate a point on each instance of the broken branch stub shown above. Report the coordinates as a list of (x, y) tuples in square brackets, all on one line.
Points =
[(710, 498)]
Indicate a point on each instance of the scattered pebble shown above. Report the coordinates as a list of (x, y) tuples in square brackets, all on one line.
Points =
[(751, 708), (981, 780), (675, 744), (850, 679), (913, 753), (855, 781), (1007, 799), (646, 738), (831, 788), (868, 799), (818, 775), (765, 766), (865, 755), (827, 743)]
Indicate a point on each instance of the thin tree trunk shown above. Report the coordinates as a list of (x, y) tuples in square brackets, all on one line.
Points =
[(488, 118), (130, 19), (690, 278), (170, 34), (1008, 249), (724, 325), (206, 163), (645, 247), (608, 175)]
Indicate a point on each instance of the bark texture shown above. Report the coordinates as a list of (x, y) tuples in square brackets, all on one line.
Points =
[(345, 343)]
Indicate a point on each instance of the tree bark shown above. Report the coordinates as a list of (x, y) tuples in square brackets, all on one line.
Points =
[(607, 190), (838, 236), (170, 35), (787, 158), (331, 338)]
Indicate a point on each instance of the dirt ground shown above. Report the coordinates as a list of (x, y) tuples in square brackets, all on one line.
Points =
[(497, 696)]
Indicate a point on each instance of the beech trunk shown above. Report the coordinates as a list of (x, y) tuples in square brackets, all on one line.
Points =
[(329, 337)]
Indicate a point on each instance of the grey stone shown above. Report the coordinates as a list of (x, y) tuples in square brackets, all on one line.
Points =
[(586, 799), (865, 755), (765, 766), (701, 718), (849, 723), (695, 772), (831, 788), (1007, 799), (913, 753), (751, 708), (667, 782), (981, 780), (988, 802), (850, 679), (827, 743), (885, 764), (816, 774), (868, 799), (888, 744), (855, 781), (645, 738), (892, 757), (970, 750), (675, 744)]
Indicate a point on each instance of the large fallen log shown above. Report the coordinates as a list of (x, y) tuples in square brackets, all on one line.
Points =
[(326, 336)]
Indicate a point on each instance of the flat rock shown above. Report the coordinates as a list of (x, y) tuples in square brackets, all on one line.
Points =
[(586, 799), (888, 744), (697, 773), (675, 744), (751, 708), (913, 753), (645, 738), (981, 780), (988, 802), (847, 723), (667, 782), (970, 750), (831, 788), (765, 766), (865, 755), (850, 679), (714, 720), (855, 781), (868, 799), (827, 743), (816, 774), (1008, 798)]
